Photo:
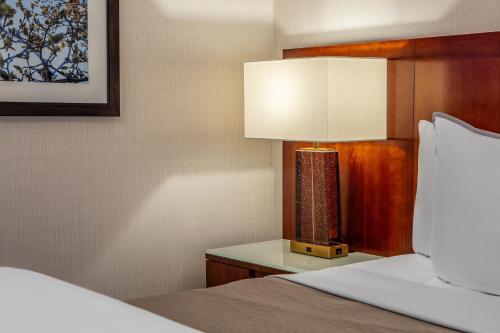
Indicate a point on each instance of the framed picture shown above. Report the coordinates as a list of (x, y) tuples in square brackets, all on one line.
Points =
[(59, 58)]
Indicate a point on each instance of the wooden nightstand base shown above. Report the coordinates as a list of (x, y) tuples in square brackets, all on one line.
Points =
[(220, 271)]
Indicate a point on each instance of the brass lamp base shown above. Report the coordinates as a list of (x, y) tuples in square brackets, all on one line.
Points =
[(328, 252)]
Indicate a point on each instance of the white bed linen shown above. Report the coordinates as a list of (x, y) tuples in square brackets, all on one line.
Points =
[(408, 285), (467, 206), (32, 302), (425, 201)]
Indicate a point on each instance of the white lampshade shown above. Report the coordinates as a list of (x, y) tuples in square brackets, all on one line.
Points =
[(317, 99)]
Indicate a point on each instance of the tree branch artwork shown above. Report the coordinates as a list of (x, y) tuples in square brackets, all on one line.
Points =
[(44, 41)]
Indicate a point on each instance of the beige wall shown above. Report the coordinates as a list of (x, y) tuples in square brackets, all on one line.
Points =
[(127, 206), (301, 23)]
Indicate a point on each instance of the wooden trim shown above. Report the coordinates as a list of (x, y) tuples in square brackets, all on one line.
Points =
[(400, 99), (469, 45), (110, 109), (218, 273), (386, 49), (249, 266)]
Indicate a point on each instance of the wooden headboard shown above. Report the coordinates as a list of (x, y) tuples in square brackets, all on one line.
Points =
[(458, 75)]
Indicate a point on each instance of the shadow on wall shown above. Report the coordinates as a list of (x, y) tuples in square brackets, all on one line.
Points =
[(127, 206), (301, 23)]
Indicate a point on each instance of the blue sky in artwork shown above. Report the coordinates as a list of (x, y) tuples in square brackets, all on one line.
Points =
[(49, 45)]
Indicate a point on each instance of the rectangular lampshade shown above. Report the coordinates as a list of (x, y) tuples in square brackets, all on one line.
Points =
[(317, 99)]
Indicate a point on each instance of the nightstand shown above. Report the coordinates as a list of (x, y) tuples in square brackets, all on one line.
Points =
[(233, 263)]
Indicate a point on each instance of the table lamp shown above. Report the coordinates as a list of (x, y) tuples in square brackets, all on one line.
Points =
[(333, 99)]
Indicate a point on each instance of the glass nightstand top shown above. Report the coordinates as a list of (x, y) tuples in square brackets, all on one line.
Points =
[(276, 254)]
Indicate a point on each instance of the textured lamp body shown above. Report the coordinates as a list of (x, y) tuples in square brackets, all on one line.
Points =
[(318, 219)]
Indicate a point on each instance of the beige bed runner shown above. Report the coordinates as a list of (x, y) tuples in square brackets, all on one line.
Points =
[(274, 305)]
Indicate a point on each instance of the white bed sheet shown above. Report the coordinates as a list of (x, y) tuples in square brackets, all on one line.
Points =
[(408, 285), (32, 302)]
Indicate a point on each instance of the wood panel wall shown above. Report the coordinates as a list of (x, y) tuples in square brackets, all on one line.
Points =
[(459, 75)]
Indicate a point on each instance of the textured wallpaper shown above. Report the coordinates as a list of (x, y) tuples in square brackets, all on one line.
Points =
[(302, 23), (127, 206)]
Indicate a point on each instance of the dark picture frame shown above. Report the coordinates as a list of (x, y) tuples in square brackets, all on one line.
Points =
[(109, 109)]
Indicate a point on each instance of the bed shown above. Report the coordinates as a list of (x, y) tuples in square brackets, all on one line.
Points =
[(398, 294), (32, 302)]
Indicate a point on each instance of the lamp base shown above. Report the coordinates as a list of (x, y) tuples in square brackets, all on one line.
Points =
[(317, 202), (335, 250)]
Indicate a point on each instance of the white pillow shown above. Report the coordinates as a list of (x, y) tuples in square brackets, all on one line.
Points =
[(426, 189), (466, 232)]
